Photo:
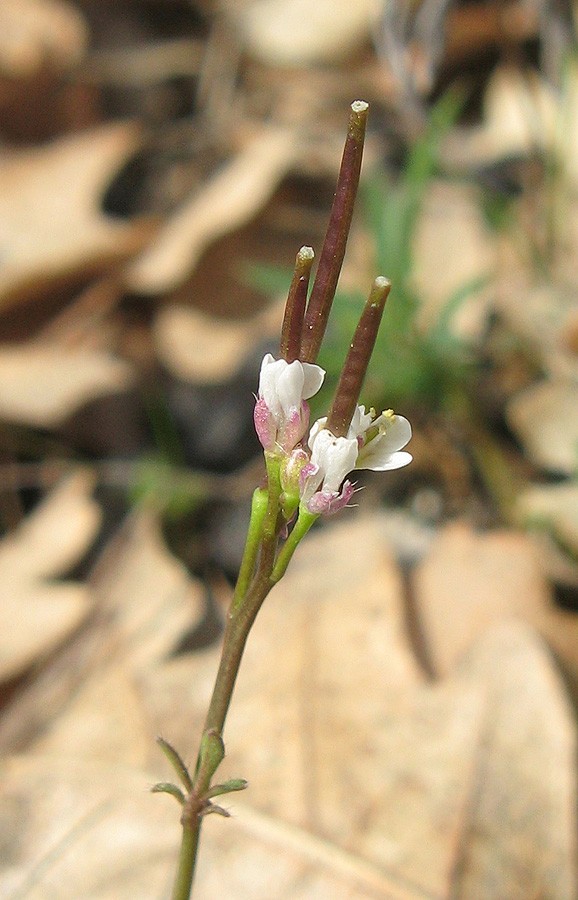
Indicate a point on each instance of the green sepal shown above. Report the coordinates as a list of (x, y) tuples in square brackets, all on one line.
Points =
[(233, 784), (165, 787)]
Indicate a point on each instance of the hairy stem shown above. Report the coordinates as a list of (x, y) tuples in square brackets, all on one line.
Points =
[(244, 609), (236, 633)]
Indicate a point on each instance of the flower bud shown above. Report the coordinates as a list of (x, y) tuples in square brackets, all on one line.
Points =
[(281, 413), (290, 474)]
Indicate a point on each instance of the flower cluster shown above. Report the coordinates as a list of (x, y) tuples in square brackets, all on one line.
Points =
[(319, 474)]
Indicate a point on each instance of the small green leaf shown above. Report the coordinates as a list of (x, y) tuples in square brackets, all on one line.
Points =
[(234, 784), (212, 751), (218, 810), (164, 787), (176, 762)]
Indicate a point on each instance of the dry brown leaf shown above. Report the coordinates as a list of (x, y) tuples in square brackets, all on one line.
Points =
[(36, 613), (229, 199), (104, 720), (519, 830), (381, 763), (341, 735), (524, 113), (94, 832), (545, 318), (103, 714), (520, 116), (154, 598), (366, 780), (544, 417), (302, 32), (52, 225), (151, 601), (76, 829), (451, 218), (469, 581), (554, 506), (43, 385), (39, 33), (200, 348)]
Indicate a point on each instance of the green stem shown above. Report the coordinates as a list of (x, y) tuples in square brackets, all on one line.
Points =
[(244, 608), (236, 633), (304, 522), (187, 861), (271, 523), (258, 512)]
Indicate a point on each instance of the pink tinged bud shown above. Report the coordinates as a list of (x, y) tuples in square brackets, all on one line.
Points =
[(308, 480), (290, 476), (281, 415), (294, 428), (265, 425), (291, 470)]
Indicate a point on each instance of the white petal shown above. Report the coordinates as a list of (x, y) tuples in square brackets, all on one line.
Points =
[(335, 457), (267, 360), (313, 379), (290, 386), (315, 429), (359, 423), (397, 434), (395, 461), (377, 453), (283, 386), (271, 369)]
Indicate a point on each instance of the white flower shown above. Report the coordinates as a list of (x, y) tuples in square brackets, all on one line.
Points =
[(283, 386), (281, 414), (335, 456), (380, 439), (322, 485), (372, 442)]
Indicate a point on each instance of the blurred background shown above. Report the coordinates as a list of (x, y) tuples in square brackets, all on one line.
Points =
[(161, 162)]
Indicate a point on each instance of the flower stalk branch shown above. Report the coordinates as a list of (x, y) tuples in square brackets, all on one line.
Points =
[(307, 473)]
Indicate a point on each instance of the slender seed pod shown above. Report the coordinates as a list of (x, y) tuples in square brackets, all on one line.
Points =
[(331, 258), (295, 306), (355, 366)]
